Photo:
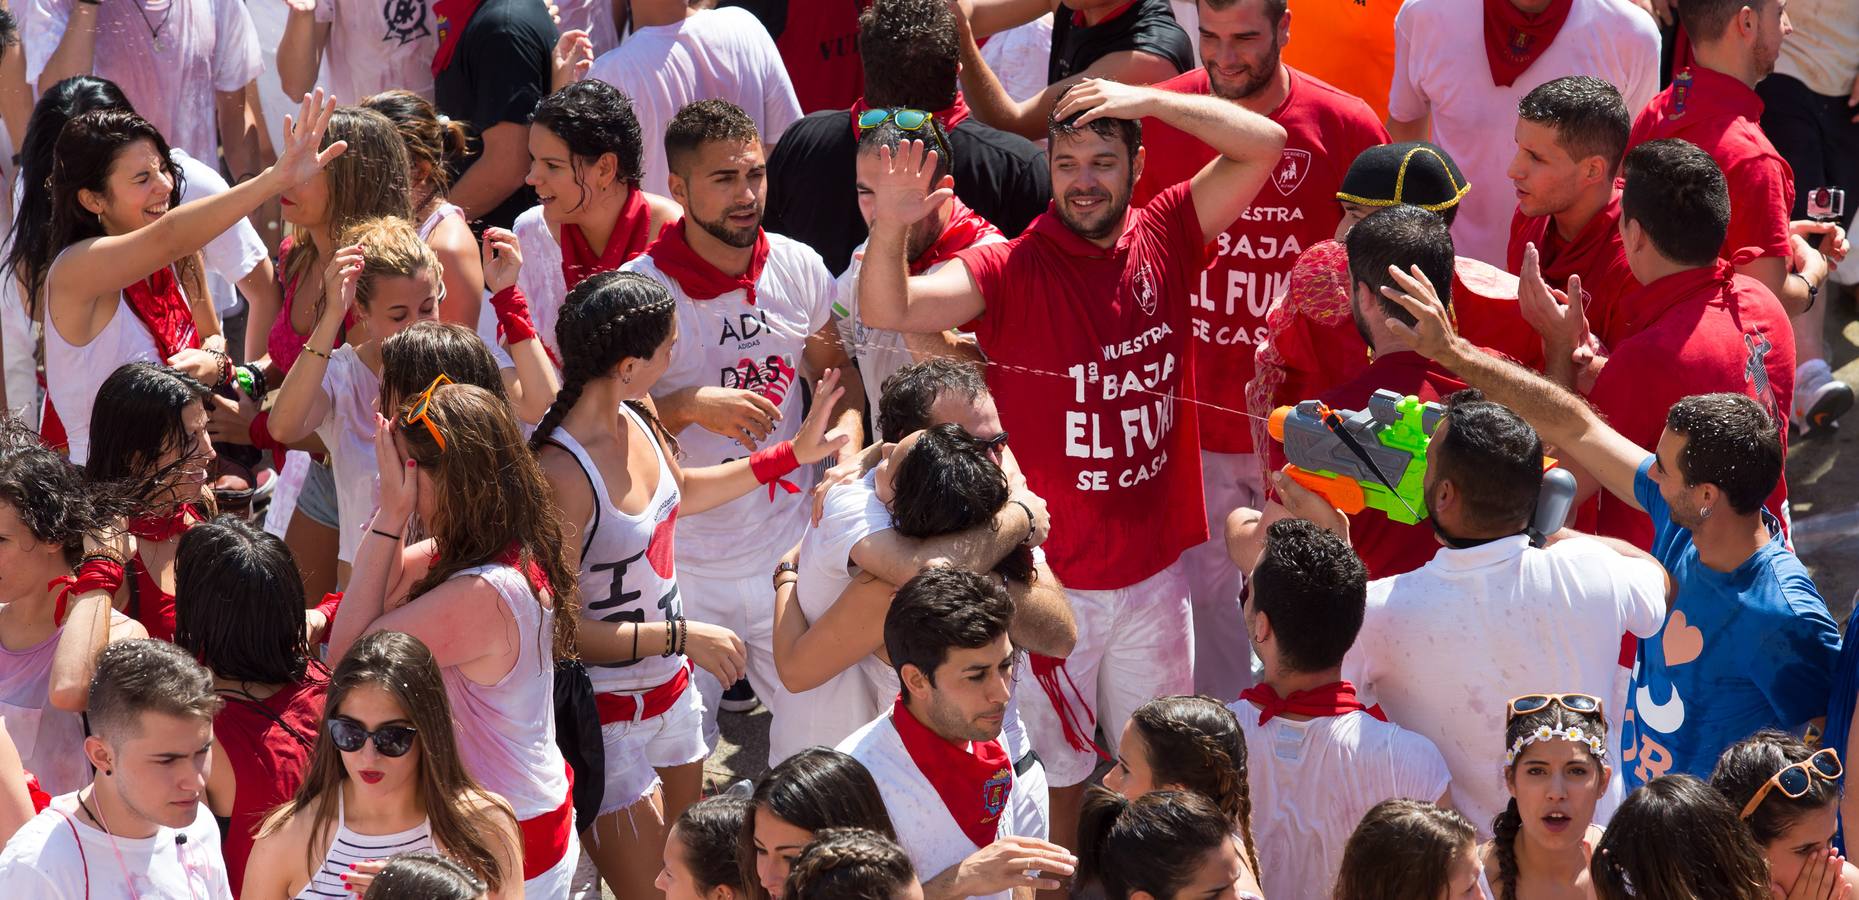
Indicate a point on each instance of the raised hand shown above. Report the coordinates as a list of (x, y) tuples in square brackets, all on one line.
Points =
[(503, 259), (1304, 503), (400, 482), (903, 194), (1098, 98), (1555, 315), (301, 158), (814, 442), (1432, 334), (302, 6), (1834, 247), (340, 279), (572, 57)]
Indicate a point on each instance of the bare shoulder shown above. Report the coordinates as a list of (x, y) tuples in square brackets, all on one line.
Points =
[(664, 211)]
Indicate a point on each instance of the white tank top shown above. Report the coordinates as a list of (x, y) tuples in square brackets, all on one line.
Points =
[(438, 215), (506, 731), (627, 572), (73, 373), (350, 848), (50, 740)]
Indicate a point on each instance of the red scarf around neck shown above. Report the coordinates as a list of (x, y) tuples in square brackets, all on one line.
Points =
[(949, 118), (965, 228), (699, 279), (1514, 38), (158, 304), (631, 234), (450, 17), (160, 527), (1329, 700), (972, 783)]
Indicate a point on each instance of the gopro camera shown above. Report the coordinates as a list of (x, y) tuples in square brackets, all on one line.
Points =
[(1826, 204)]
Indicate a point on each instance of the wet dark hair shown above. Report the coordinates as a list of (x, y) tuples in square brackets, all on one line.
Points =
[(1127, 131), (134, 420), (932, 134), (411, 360), (908, 396), (910, 54), (430, 138), (1196, 742), (850, 864), (1731, 442), (1509, 822), (701, 123), (594, 119), (1748, 764), (813, 790), (939, 610), (1679, 197), (948, 483), (711, 830), (238, 602), (1152, 844), (1587, 113), (51, 496), (1400, 235), (608, 318), (1493, 457), (1313, 588), (425, 875), (1676, 839), (1402, 850)]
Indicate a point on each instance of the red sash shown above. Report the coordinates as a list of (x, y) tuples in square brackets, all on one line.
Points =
[(451, 16), (700, 280), (158, 304), (647, 704), (1329, 700), (973, 783), (631, 234), (545, 837), (949, 118), (1514, 38), (965, 228)]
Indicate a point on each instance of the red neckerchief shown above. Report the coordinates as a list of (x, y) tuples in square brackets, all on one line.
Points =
[(1334, 699), (162, 527), (1049, 226), (40, 799), (1593, 248), (1651, 301), (631, 234), (1514, 38), (532, 572), (1078, 15), (158, 304), (699, 279), (972, 783), (451, 17), (949, 118), (965, 228)]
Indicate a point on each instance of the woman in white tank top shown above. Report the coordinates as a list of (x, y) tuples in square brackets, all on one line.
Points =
[(620, 490), (491, 593), (430, 141), (385, 779)]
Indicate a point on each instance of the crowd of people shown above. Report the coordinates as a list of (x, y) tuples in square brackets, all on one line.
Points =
[(1396, 503)]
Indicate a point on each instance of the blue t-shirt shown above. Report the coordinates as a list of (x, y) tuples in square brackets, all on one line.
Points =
[(1741, 651)]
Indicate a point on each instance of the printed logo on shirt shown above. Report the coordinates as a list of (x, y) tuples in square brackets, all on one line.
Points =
[(1293, 165), (1678, 643), (612, 608), (1756, 369), (1144, 288), (405, 20), (771, 377)]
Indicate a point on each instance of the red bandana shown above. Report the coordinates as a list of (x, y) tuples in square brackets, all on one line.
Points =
[(162, 527), (1328, 700), (1651, 301), (631, 234), (1078, 15), (157, 302), (451, 17), (1514, 38), (532, 571), (695, 275), (949, 118), (965, 228), (972, 783)]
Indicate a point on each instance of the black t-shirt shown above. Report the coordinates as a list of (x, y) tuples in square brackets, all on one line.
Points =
[(499, 71), (813, 197), (1148, 26)]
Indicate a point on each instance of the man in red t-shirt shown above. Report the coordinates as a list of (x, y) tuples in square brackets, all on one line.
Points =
[(1571, 133), (1703, 326), (1714, 105), (1087, 338), (1249, 264)]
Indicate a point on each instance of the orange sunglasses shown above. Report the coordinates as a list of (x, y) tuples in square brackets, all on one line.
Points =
[(421, 410)]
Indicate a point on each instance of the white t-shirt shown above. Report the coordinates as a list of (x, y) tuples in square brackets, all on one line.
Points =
[(1443, 649), (1311, 783), (726, 342), (540, 280), (715, 54), (880, 352), (1019, 55), (44, 860), (925, 829), (377, 45), (348, 432), (237, 251), (1440, 67), (204, 46)]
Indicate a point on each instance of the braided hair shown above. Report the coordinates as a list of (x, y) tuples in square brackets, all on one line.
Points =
[(1508, 824), (850, 864), (1196, 743), (608, 318)]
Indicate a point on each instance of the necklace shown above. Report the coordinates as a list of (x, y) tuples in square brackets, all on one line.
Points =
[(128, 879), (156, 28)]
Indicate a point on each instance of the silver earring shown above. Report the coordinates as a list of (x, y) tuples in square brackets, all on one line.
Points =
[(1704, 512)]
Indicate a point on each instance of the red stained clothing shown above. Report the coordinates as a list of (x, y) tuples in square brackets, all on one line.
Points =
[(819, 46), (1596, 254), (1250, 264), (1723, 117), (269, 743), (1484, 304), (1697, 332), (148, 603), (1088, 360)]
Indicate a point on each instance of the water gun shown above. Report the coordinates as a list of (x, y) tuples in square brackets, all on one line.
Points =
[(1376, 459)]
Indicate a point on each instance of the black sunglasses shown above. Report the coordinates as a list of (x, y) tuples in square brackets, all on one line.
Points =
[(392, 740)]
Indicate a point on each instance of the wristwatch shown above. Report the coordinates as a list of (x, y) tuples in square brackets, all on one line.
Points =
[(785, 566)]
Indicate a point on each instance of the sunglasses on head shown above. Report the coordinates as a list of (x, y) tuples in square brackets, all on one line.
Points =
[(420, 414), (1794, 781), (391, 740), (908, 120), (1530, 703)]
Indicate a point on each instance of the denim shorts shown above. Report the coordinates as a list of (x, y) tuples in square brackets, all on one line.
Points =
[(317, 500)]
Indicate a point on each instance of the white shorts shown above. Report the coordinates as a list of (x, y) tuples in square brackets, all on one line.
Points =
[(637, 750), (1231, 480), (745, 605), (1133, 645), (556, 882)]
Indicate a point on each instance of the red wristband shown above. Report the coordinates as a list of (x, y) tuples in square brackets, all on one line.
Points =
[(770, 463), (95, 573), (513, 322), (328, 608)]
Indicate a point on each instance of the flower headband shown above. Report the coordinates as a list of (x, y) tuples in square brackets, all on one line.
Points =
[(1545, 733)]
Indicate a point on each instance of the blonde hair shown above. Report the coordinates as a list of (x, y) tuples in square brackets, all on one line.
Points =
[(394, 249)]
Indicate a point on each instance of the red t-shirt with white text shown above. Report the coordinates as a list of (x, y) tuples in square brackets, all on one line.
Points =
[(1088, 356), (1250, 264)]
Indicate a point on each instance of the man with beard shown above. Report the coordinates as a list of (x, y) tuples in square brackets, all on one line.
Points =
[(1250, 265), (754, 311), (1083, 322)]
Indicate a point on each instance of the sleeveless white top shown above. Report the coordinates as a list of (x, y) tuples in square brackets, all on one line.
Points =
[(439, 215), (350, 848), (74, 373), (506, 731), (50, 740), (627, 571)]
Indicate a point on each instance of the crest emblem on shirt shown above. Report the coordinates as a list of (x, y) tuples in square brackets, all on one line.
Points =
[(994, 793), (1144, 287), (405, 20), (1293, 165), (1756, 370)]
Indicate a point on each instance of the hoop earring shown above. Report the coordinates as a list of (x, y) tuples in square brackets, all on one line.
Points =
[(1704, 512)]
